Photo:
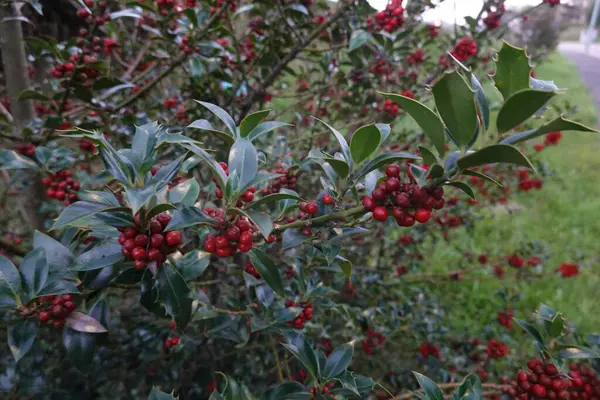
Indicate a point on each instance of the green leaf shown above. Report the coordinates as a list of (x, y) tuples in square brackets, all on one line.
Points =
[(464, 187), (204, 125), (222, 115), (358, 38), (138, 197), (341, 140), (267, 270), (382, 160), (142, 146), (558, 124), (193, 264), (80, 347), (156, 394), (12, 160), (341, 168), (83, 93), (265, 127), (578, 352), (482, 101), (251, 121), (303, 351), (512, 70), (338, 361), (519, 107), (288, 391), (186, 193), (556, 327), (482, 176), (436, 171), (531, 330), (159, 209), (98, 257), (189, 216), (496, 153), (469, 389), (292, 238), (212, 164), (34, 271), (173, 294), (428, 157), (105, 83), (84, 323), (21, 336), (33, 95), (128, 12), (190, 13), (262, 221), (364, 142), (57, 254), (77, 214), (431, 390), (345, 266), (539, 84), (272, 198), (455, 102), (243, 158), (428, 120)]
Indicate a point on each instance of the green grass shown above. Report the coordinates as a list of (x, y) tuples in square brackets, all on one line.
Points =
[(564, 215)]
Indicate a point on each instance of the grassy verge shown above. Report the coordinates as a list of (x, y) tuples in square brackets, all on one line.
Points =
[(564, 216)]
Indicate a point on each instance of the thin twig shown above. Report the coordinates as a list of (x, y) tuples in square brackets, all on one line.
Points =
[(342, 214), (272, 344), (6, 114), (224, 311), (137, 61)]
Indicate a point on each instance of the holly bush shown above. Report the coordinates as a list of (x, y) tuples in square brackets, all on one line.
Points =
[(186, 237)]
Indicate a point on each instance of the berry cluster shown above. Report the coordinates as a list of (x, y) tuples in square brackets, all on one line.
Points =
[(150, 244), (401, 198), (305, 314), (496, 349), (349, 290), (416, 57), (62, 187), (26, 149), (543, 381), (55, 309), (526, 183), (391, 108), (465, 49), (391, 19), (372, 339), (324, 392), (505, 318), (283, 182), (568, 270), (494, 15), (171, 102), (429, 349), (239, 235), (434, 30), (249, 268), (87, 145), (170, 342)]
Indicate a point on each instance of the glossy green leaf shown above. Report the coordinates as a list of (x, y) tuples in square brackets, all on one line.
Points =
[(137, 197), (341, 168), (83, 93), (77, 214), (159, 209), (455, 102), (358, 38), (204, 125), (287, 391), (142, 145), (292, 238), (33, 95), (304, 352), (482, 176), (383, 160), (251, 121), (222, 115), (432, 125), (80, 347), (496, 153), (270, 198), (558, 124), (519, 107), (364, 142), (10, 159), (243, 159), (464, 187), (341, 140), (265, 127), (531, 330), (34, 271), (263, 222), (186, 193), (431, 390), (482, 101), (212, 164), (512, 70), (267, 270), (173, 294), (98, 257), (578, 352), (338, 361), (193, 264), (345, 266), (21, 336), (189, 216), (156, 394), (57, 254), (428, 157)]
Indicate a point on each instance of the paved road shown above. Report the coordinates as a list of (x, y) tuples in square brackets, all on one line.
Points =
[(588, 65)]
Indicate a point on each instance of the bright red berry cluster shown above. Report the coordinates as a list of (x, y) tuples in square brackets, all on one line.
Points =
[(552, 138), (87, 145), (494, 15), (170, 342), (416, 57), (568, 270), (543, 381), (391, 19), (283, 182), (465, 49), (237, 236), (55, 309), (401, 199), (26, 149), (324, 390), (496, 349), (249, 268), (62, 187), (526, 183), (505, 317), (305, 315), (429, 349), (149, 244), (372, 340)]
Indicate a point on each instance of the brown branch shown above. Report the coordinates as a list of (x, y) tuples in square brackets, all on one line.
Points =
[(285, 60), (224, 311), (136, 62)]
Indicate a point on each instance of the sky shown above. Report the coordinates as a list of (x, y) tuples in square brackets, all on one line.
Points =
[(445, 11)]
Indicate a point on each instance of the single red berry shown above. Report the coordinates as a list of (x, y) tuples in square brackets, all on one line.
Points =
[(551, 369), (157, 240), (221, 242), (141, 240), (392, 170), (378, 194), (270, 239), (522, 376), (246, 238), (122, 239), (403, 200), (312, 208), (83, 13), (138, 254), (69, 305), (59, 311), (154, 255), (59, 323), (130, 232), (174, 341), (248, 196), (243, 225), (538, 391), (172, 325), (164, 219), (327, 199), (380, 213), (392, 185), (173, 238), (139, 265), (60, 195), (223, 252), (44, 316), (368, 203), (129, 245), (233, 233), (209, 245), (126, 253), (155, 226), (66, 297), (422, 215)]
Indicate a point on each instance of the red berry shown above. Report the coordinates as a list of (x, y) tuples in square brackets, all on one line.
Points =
[(59, 311), (422, 215), (126, 253), (69, 305), (327, 199), (155, 226), (129, 245), (209, 245), (312, 208), (243, 225), (246, 239), (172, 325), (164, 219), (551, 369), (368, 203), (380, 213), (378, 194), (130, 232), (223, 252), (154, 255), (173, 238), (233, 233), (141, 240), (538, 391), (83, 13), (59, 323), (392, 185), (392, 171), (522, 376), (60, 195), (139, 265), (270, 239), (44, 316), (157, 240), (248, 196), (221, 242), (174, 341), (403, 200), (138, 254)]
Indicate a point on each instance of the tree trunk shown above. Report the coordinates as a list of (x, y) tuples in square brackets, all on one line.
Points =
[(16, 76)]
